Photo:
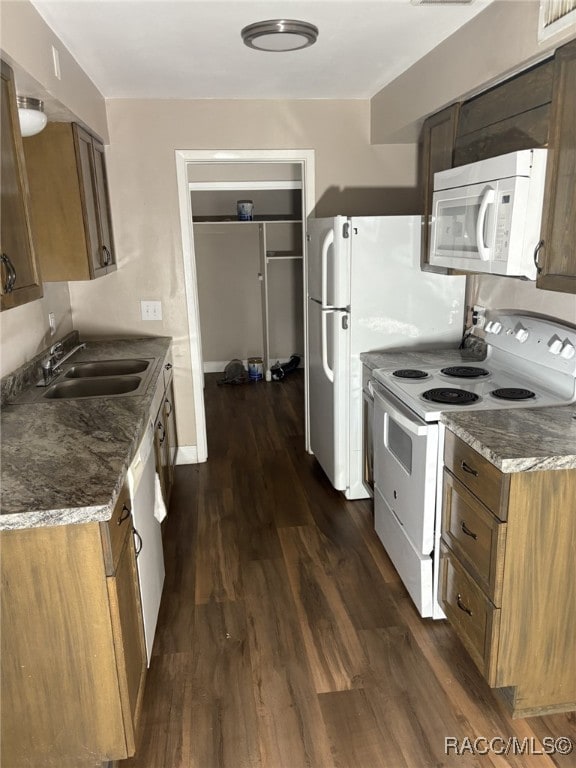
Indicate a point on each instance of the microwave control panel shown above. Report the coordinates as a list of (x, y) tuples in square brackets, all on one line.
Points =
[(504, 208)]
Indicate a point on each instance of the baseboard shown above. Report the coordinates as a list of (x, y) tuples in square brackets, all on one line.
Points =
[(216, 366), (187, 454)]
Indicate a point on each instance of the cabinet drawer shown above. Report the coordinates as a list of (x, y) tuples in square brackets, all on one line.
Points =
[(474, 618), (478, 475), (114, 531), (475, 535)]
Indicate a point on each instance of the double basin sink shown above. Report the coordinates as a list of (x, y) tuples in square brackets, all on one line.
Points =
[(104, 378), (99, 378)]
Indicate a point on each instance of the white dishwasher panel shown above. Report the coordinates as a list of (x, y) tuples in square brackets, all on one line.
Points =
[(150, 561)]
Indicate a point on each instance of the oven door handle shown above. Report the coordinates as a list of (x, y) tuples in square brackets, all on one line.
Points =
[(401, 416)]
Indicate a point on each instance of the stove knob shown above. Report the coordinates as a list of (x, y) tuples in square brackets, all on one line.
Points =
[(555, 347), (568, 351), (489, 326), (522, 335), (496, 327)]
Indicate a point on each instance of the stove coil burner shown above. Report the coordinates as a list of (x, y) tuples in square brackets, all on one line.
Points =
[(450, 396), (513, 393), (410, 373), (465, 372)]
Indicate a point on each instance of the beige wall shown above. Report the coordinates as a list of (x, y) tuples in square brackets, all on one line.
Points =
[(351, 177), (511, 293), (24, 331), (500, 40), (26, 43)]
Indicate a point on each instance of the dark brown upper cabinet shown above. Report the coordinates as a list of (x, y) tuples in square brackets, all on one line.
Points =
[(535, 108), (436, 154), (556, 259), (20, 277), (70, 203)]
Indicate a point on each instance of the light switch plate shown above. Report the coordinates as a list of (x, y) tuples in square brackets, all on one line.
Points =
[(151, 310)]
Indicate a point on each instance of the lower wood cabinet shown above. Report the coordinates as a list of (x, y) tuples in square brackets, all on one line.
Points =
[(165, 439), (507, 582), (73, 655)]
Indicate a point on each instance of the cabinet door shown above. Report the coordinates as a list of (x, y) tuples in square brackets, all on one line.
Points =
[(106, 244), (557, 257), (128, 632), (162, 453), (20, 279), (87, 177), (436, 154), (170, 421)]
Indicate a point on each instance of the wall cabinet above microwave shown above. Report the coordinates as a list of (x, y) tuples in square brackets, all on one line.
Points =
[(70, 204), (533, 109)]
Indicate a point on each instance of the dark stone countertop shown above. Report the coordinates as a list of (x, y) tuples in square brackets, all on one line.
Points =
[(65, 461)]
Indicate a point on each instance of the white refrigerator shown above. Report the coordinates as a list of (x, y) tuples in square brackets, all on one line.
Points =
[(366, 292)]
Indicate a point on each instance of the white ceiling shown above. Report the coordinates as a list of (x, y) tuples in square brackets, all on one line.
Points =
[(192, 49)]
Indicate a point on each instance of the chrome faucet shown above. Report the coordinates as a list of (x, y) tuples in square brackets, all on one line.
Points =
[(51, 364)]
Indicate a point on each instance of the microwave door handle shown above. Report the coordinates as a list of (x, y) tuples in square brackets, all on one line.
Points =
[(487, 199), (326, 243), (328, 372)]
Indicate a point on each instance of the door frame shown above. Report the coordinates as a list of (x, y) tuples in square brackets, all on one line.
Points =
[(306, 159)]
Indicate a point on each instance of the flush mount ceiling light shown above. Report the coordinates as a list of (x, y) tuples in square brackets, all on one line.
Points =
[(280, 35), (31, 115)]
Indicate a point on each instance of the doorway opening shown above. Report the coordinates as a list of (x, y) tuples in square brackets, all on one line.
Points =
[(188, 164)]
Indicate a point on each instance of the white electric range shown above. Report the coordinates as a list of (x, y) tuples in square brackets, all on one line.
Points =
[(530, 363)]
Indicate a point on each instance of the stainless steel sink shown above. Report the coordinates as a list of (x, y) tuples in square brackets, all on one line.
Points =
[(105, 386), (106, 368)]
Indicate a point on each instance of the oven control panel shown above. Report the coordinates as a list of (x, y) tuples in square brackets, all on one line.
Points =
[(535, 340)]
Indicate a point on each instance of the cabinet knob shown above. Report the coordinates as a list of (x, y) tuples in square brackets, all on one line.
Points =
[(125, 514), (461, 605), (137, 542), (168, 366), (11, 273), (467, 468), (536, 255), (467, 531)]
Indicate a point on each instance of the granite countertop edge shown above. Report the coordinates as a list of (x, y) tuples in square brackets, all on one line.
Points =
[(520, 440), (43, 443)]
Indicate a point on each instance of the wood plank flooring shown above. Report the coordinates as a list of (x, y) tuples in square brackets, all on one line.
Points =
[(285, 638)]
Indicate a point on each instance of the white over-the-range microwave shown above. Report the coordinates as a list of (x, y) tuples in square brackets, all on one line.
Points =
[(486, 215)]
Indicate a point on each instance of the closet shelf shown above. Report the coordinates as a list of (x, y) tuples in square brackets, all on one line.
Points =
[(234, 220), (282, 255)]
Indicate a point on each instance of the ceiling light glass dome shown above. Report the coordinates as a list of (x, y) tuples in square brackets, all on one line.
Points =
[(280, 35)]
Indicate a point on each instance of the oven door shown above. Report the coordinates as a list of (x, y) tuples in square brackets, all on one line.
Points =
[(405, 467), (405, 477)]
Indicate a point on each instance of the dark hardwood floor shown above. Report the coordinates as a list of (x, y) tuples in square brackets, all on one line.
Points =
[(285, 639)]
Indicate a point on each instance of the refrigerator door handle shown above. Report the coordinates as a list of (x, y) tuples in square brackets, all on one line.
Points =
[(328, 372), (326, 243)]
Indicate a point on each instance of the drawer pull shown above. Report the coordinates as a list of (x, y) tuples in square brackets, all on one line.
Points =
[(468, 532), (461, 605), (137, 541), (125, 514), (468, 469)]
